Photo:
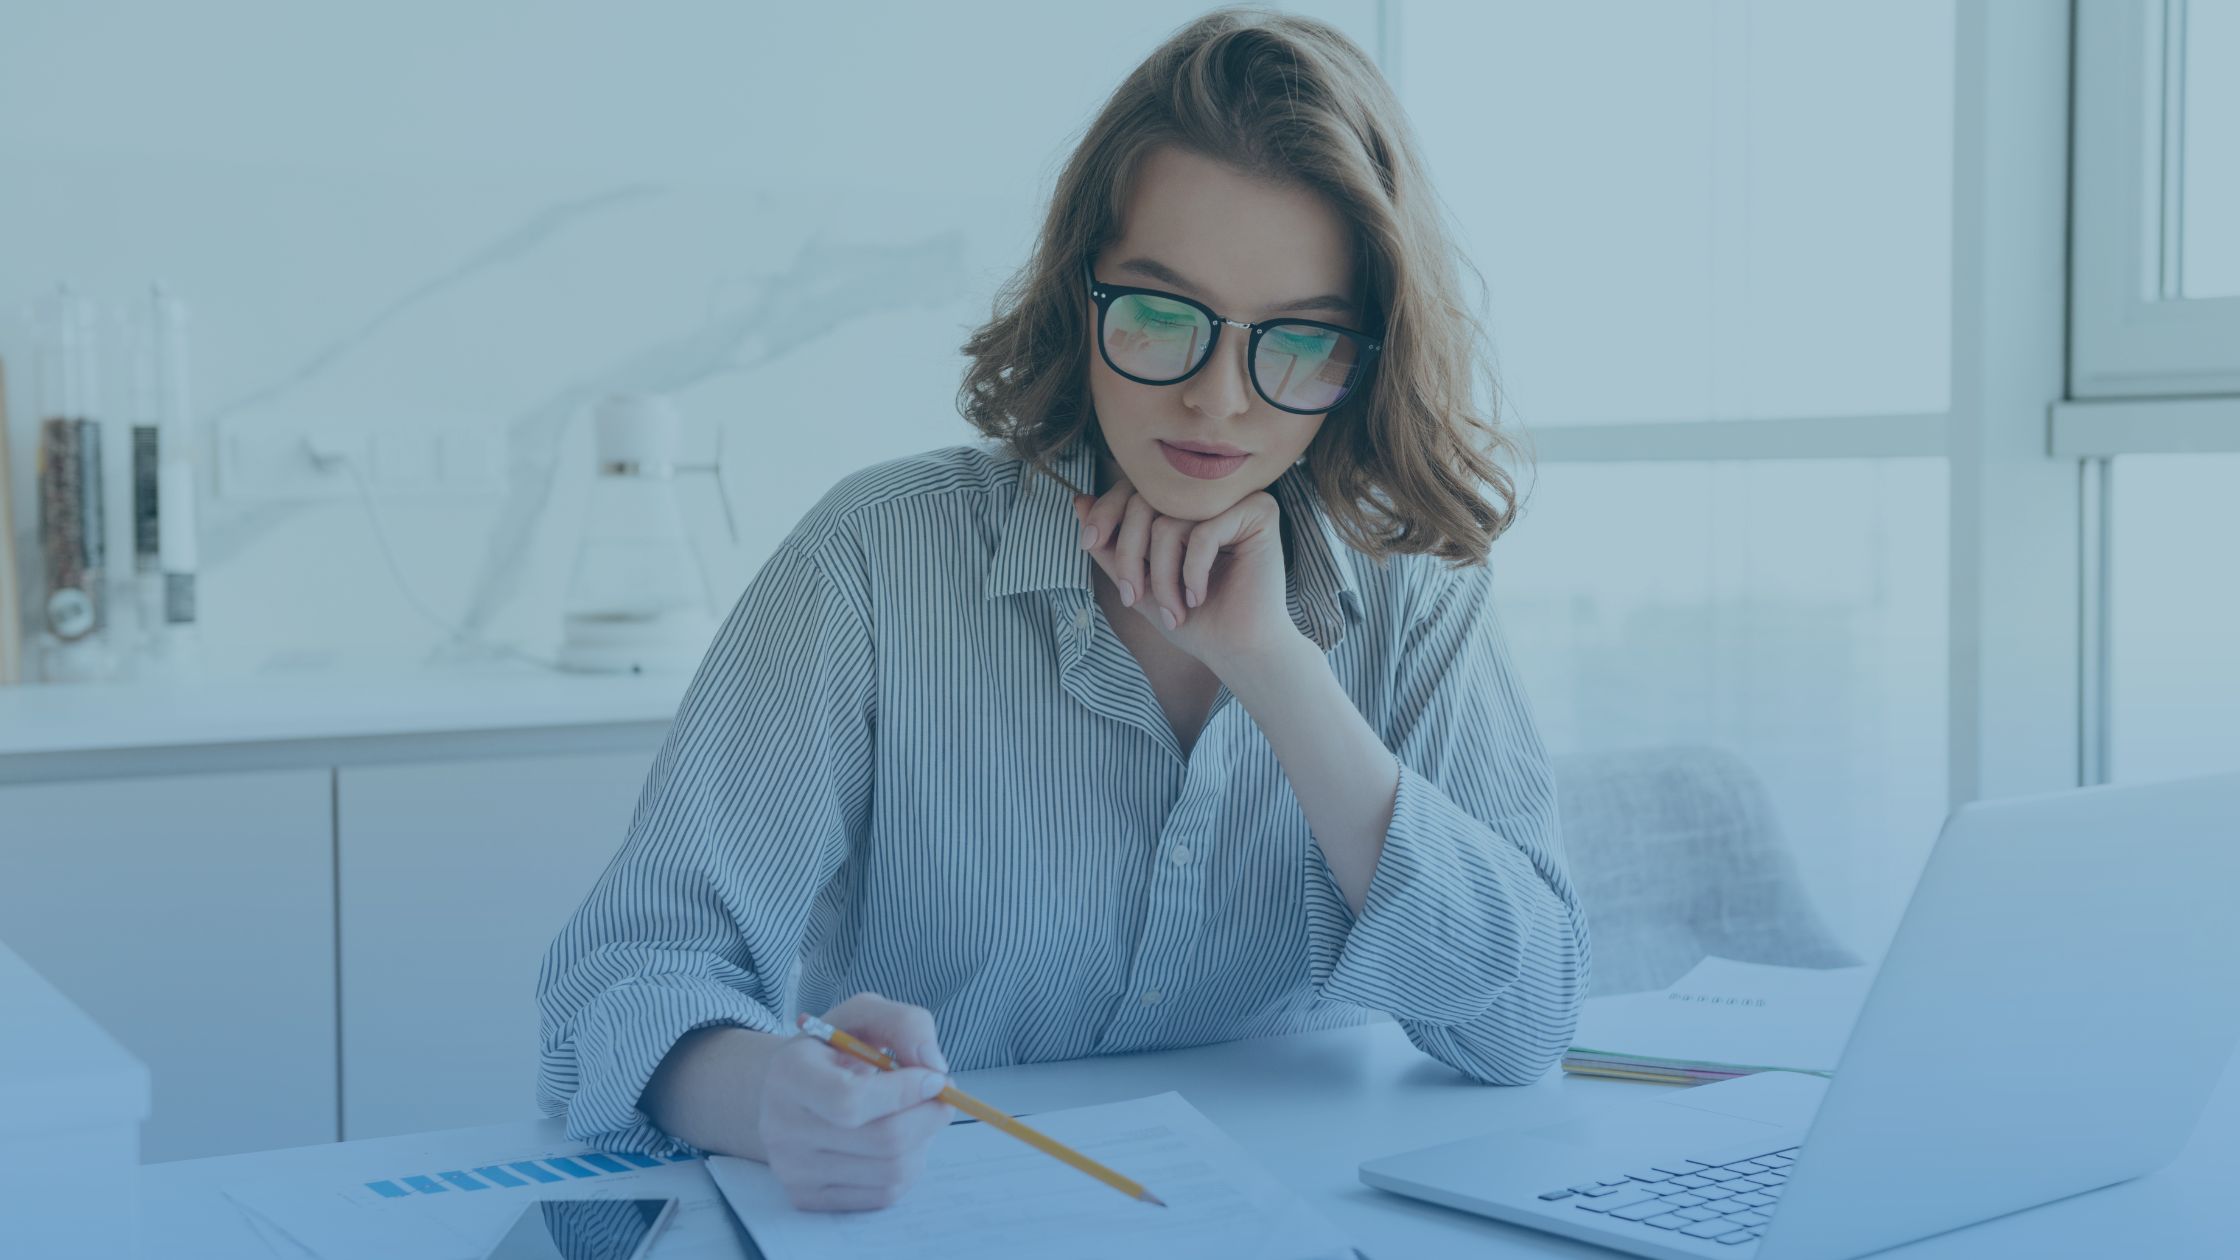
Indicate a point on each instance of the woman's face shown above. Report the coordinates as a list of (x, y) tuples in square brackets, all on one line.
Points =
[(1251, 251)]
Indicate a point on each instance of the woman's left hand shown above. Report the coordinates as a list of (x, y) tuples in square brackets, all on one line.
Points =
[(1214, 588)]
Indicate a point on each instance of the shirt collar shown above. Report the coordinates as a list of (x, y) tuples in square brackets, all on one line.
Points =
[(1040, 548)]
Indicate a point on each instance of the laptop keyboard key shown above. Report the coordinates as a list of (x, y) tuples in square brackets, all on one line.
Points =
[(1557, 1194), (1615, 1202), (1718, 1174), (1749, 1218), (1698, 1214), (1755, 1200), (1738, 1236), (1678, 1201), (1670, 1220), (1676, 1168), (1651, 1176), (1639, 1211), (1708, 1229), (1691, 1181)]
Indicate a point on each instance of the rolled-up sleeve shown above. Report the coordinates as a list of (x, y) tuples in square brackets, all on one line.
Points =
[(748, 813), (1471, 935)]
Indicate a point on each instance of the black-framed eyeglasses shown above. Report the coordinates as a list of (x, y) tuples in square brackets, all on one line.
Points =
[(1153, 337)]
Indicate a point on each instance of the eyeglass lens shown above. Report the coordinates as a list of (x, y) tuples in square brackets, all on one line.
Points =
[(1296, 365)]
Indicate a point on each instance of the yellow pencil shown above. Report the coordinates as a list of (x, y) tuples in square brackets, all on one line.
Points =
[(838, 1039)]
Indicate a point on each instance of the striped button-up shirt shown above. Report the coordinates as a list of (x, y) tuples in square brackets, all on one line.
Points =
[(918, 760)]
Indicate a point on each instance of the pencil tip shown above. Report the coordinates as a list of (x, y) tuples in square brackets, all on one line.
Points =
[(1155, 1199)]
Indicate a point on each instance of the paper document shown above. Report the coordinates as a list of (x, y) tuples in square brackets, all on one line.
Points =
[(448, 1202), (1729, 1017), (985, 1195)]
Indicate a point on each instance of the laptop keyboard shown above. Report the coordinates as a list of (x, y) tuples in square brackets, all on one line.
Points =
[(1728, 1203)]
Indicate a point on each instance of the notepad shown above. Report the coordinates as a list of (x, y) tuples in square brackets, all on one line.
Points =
[(985, 1195), (1723, 1019)]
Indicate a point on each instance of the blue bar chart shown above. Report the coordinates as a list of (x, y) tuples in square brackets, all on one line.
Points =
[(550, 1170)]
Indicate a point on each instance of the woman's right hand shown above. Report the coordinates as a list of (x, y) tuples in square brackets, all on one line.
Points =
[(842, 1135)]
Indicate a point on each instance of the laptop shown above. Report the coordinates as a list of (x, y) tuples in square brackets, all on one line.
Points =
[(2061, 996)]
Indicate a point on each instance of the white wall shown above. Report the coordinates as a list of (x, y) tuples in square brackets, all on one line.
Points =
[(483, 217)]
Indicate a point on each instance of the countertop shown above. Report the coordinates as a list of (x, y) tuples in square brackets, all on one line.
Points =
[(80, 730)]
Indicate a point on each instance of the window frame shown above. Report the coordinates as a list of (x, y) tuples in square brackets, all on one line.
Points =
[(2024, 708), (2128, 339)]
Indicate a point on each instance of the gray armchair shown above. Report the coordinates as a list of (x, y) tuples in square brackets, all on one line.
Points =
[(1676, 854)]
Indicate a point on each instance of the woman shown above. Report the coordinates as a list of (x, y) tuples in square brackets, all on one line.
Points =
[(1083, 742)]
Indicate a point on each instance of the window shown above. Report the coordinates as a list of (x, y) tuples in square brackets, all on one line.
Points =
[(1791, 611), (2209, 253), (1698, 211), (1718, 245), (2155, 304)]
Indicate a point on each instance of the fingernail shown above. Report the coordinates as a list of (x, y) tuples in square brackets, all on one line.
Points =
[(1127, 595), (1168, 613), (1088, 534), (934, 1085), (1191, 595)]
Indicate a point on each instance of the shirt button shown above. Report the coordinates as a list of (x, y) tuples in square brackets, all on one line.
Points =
[(1179, 855), (1150, 997), (1081, 618)]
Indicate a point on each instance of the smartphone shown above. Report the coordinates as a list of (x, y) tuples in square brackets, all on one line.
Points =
[(584, 1229)]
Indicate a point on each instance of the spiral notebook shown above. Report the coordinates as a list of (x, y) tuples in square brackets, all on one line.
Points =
[(1721, 1020)]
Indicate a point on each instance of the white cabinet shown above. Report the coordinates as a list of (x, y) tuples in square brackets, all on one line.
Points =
[(193, 918), (454, 878)]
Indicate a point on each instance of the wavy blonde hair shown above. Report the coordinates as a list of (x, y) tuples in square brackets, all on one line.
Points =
[(1406, 465)]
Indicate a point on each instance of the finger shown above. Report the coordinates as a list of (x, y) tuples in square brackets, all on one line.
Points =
[(833, 1168), (1104, 516), (890, 1136), (1168, 537), (898, 1027), (1129, 544), (1100, 557), (847, 1101), (1211, 537), (1205, 546)]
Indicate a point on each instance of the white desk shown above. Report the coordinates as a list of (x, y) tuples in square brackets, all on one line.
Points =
[(1310, 1107)]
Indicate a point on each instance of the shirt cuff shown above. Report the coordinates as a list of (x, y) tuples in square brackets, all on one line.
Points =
[(623, 1035), (1445, 926)]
